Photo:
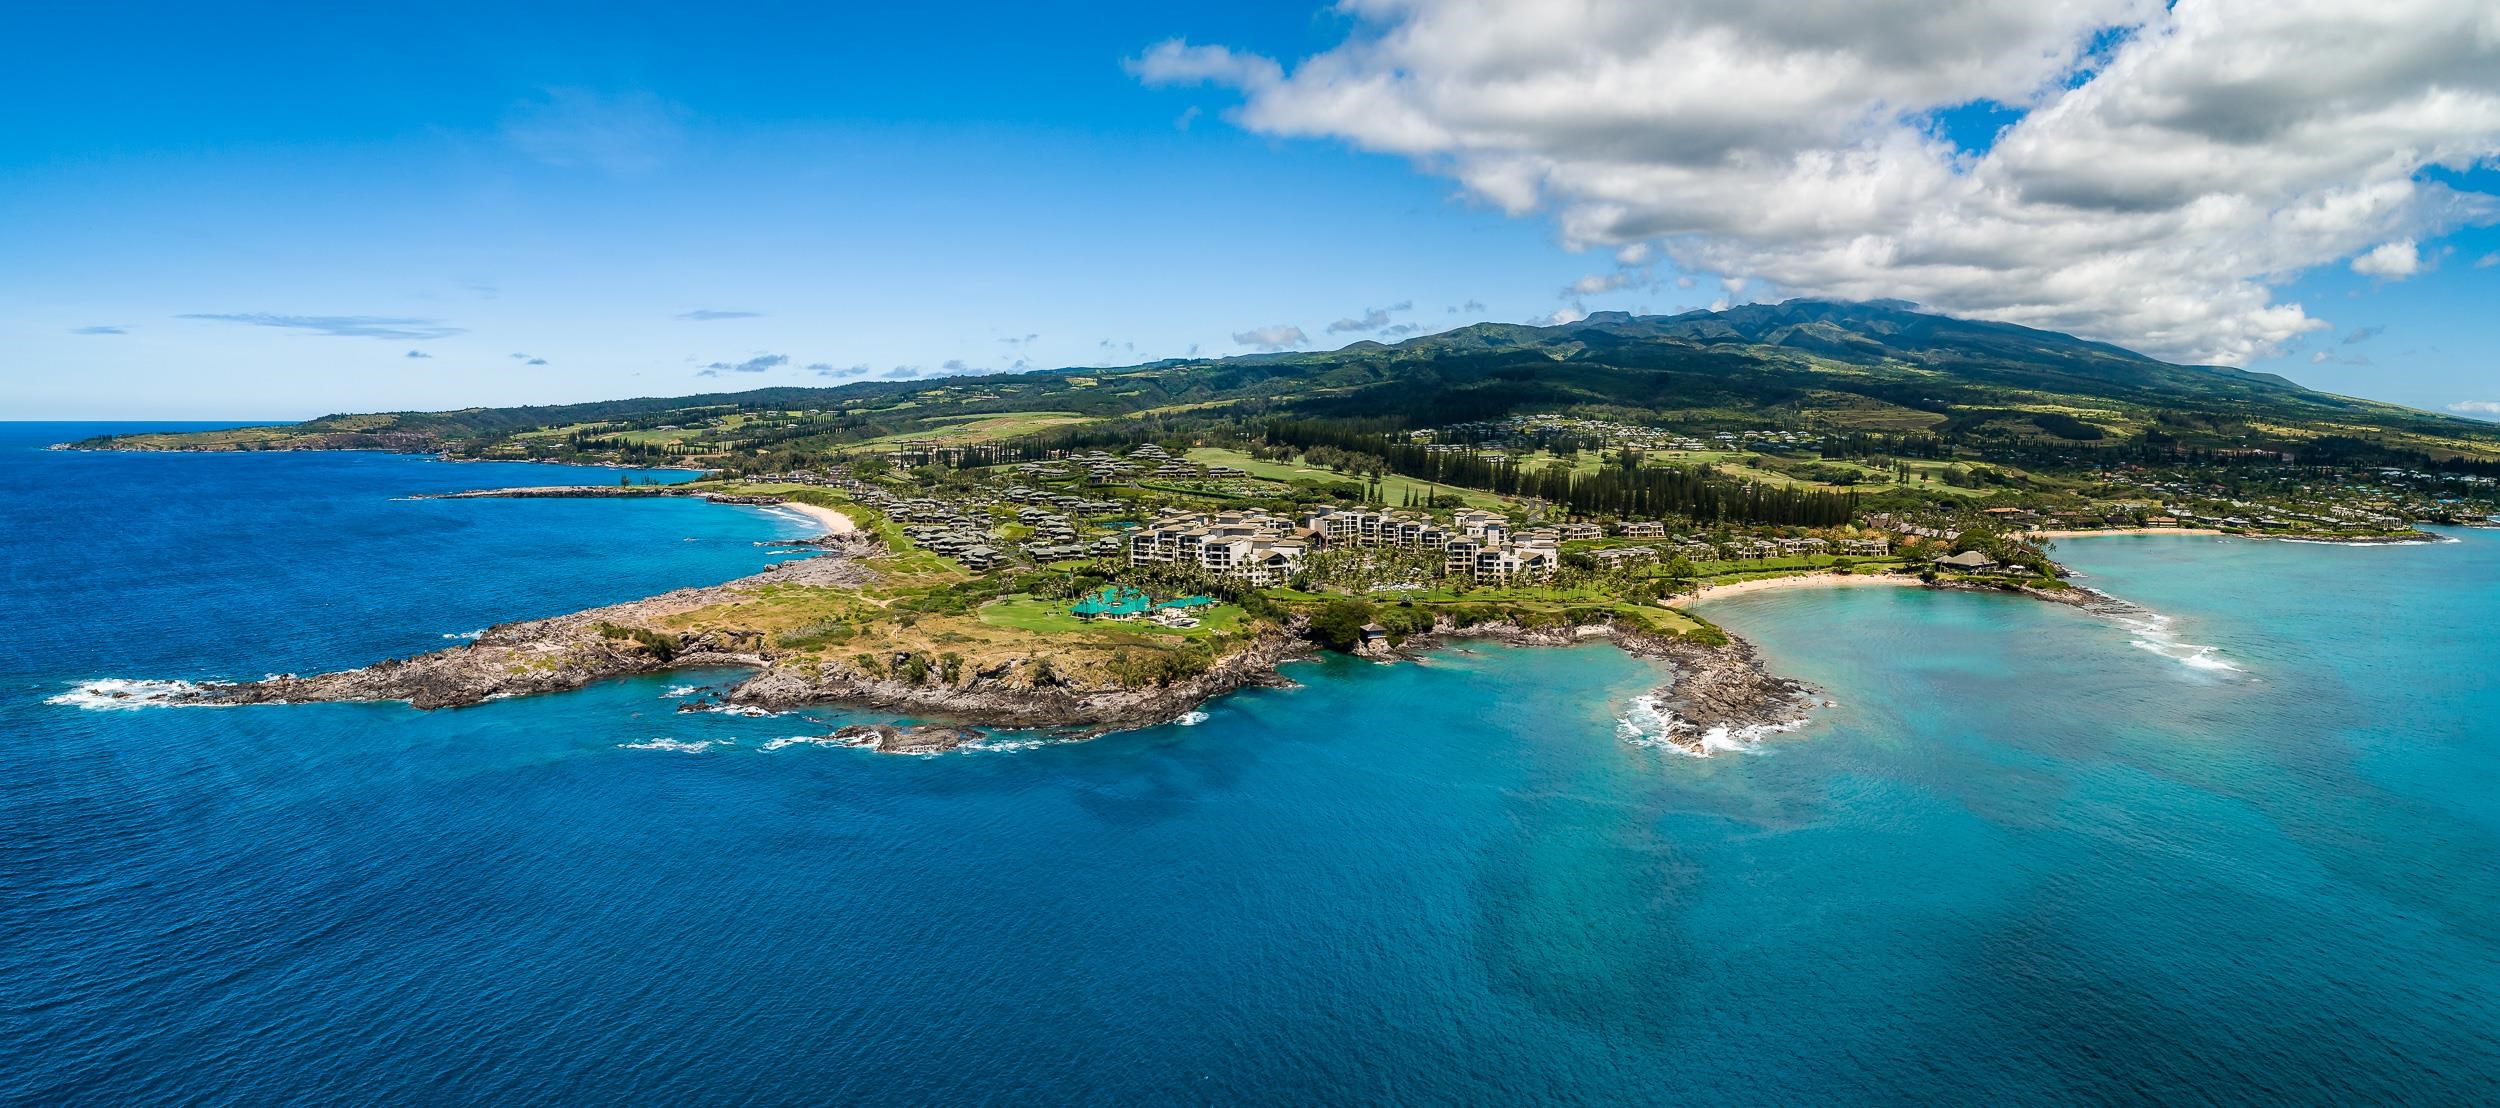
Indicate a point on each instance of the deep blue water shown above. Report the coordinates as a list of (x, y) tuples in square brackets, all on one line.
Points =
[(2023, 861)]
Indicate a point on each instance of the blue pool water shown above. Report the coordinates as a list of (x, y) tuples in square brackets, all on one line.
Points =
[(2033, 856)]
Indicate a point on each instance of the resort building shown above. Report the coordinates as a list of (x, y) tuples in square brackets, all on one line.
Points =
[(1256, 547)]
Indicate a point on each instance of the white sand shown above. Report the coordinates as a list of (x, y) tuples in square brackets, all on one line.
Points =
[(835, 522), (1796, 581)]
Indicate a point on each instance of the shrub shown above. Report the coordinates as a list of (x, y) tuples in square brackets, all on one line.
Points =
[(820, 633), (1339, 623), (662, 646)]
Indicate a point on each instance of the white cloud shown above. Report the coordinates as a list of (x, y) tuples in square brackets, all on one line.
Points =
[(2394, 261), (1178, 63), (2487, 261), (1272, 339), (757, 364), (1372, 319), (2489, 408), (1596, 283), (2173, 165)]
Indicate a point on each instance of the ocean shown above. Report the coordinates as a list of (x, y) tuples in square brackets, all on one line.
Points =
[(2248, 850)]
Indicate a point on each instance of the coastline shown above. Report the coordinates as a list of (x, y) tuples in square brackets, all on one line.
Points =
[(1714, 690), (834, 523), (2075, 534), (1795, 581), (2418, 536)]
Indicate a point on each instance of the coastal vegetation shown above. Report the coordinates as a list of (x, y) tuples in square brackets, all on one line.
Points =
[(1544, 484)]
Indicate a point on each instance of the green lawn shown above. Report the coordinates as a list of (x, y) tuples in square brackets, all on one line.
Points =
[(1025, 612)]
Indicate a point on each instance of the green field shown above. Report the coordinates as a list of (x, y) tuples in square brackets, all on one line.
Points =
[(983, 428), (1393, 487)]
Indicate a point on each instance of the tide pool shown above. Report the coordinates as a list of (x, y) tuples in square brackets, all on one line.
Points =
[(2032, 856)]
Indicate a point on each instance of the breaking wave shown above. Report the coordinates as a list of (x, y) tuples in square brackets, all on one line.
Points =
[(2152, 633), (809, 740), (1189, 719), (676, 745), (749, 711), (1648, 722), (115, 694), (466, 635)]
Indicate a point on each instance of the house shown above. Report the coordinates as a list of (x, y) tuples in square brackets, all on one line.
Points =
[(1641, 529), (1968, 561)]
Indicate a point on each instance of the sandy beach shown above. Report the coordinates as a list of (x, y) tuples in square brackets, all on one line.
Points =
[(1796, 581), (835, 522)]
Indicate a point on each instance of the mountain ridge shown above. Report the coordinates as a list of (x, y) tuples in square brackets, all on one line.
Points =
[(1878, 366)]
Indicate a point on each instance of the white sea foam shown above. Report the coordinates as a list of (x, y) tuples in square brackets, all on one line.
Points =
[(1648, 722), (1001, 746), (466, 634), (116, 694), (678, 692), (811, 740), (1189, 719), (676, 745), (748, 710), (2153, 633)]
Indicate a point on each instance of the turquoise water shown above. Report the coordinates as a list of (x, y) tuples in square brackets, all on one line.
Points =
[(2023, 861)]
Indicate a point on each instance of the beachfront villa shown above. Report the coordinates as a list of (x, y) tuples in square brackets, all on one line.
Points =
[(1968, 561)]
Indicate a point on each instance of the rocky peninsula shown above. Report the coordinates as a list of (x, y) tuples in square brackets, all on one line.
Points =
[(1714, 685)]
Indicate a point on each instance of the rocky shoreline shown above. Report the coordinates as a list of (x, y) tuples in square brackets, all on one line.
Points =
[(1713, 685)]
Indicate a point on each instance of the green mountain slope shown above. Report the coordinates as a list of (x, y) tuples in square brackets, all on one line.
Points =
[(1878, 367)]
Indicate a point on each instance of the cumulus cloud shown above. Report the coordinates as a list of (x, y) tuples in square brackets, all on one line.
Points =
[(100, 329), (341, 326), (706, 315), (828, 369), (2361, 335), (623, 133), (2489, 409), (1177, 62), (2487, 261), (1272, 339), (955, 365), (1372, 319), (901, 373), (1472, 307), (416, 354), (2166, 169), (756, 364), (2393, 261)]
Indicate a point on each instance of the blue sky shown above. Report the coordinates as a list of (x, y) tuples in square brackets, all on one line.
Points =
[(295, 210)]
